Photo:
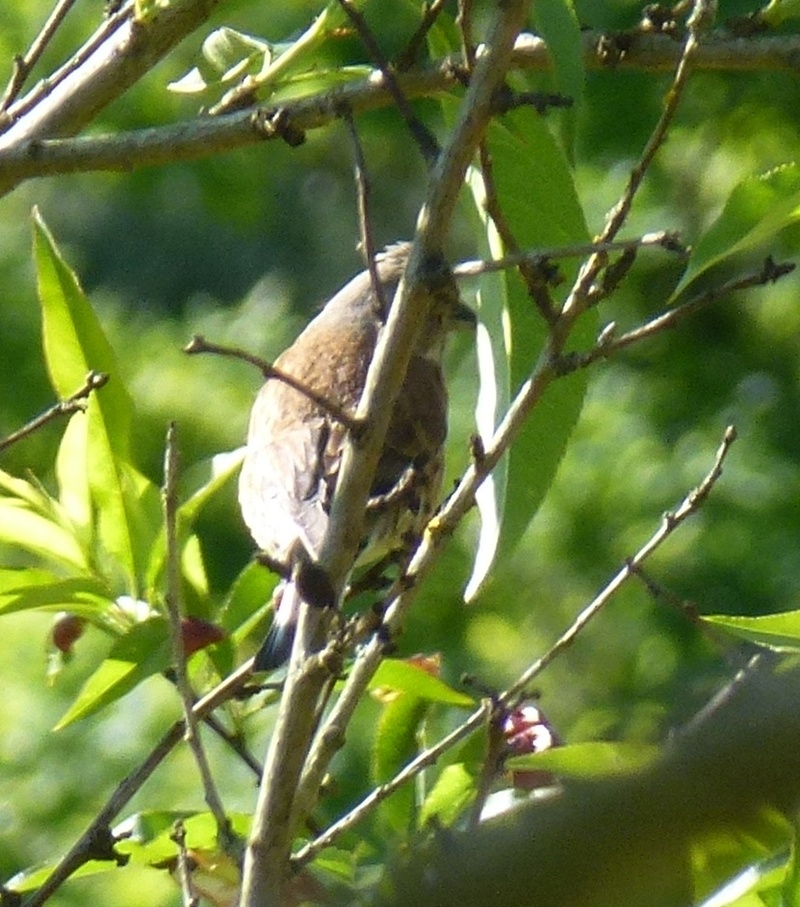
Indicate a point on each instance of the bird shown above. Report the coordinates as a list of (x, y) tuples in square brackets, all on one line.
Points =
[(294, 443)]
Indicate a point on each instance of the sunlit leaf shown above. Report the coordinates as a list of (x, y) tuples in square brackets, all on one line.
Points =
[(142, 652), (74, 486), (33, 521), (230, 58), (780, 632), (227, 56), (24, 528), (779, 11), (146, 836), (30, 589), (404, 677), (33, 878), (74, 345)]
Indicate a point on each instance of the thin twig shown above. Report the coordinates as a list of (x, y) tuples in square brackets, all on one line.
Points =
[(74, 403), (24, 64), (510, 697), (757, 661), (698, 24), (202, 137), (184, 874), (464, 22), (368, 246), (173, 595), (22, 107), (408, 55), (267, 856), (687, 609), (616, 217), (669, 523), (608, 345), (82, 850), (426, 142), (663, 239), (199, 344)]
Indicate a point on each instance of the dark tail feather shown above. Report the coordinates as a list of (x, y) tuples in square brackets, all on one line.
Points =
[(277, 647)]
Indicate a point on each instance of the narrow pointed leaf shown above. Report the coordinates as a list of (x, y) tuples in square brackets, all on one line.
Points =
[(780, 632), (535, 191), (74, 345)]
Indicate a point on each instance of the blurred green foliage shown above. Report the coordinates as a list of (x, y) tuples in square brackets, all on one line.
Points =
[(244, 246)]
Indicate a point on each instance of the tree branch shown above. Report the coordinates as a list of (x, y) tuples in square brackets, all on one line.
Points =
[(28, 150), (74, 403), (114, 63), (24, 64), (267, 856), (173, 600), (508, 699), (82, 850)]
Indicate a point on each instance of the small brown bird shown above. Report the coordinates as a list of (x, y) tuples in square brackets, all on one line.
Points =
[(294, 445)]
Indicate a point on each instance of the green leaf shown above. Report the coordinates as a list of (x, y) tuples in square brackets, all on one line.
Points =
[(41, 535), (204, 479), (74, 342), (778, 11), (227, 49), (790, 888), (74, 345), (142, 652), (556, 22), (404, 677), (452, 793), (232, 58), (595, 759), (197, 486), (33, 521), (248, 601), (74, 487), (780, 632), (32, 589), (756, 211), (33, 878), (227, 56), (146, 837), (535, 190), (408, 691), (395, 745)]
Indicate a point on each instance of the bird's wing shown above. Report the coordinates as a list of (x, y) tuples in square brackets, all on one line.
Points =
[(282, 488)]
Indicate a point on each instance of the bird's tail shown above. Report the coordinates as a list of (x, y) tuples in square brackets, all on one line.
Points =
[(277, 647)]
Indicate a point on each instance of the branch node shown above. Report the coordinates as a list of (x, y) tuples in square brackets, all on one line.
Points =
[(270, 123)]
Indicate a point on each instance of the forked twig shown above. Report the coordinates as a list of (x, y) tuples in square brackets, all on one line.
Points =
[(74, 403), (199, 344), (173, 595), (510, 697), (25, 63), (428, 146)]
